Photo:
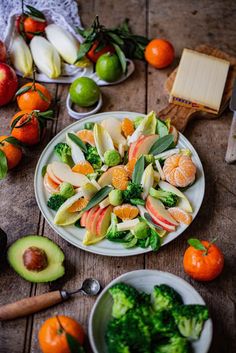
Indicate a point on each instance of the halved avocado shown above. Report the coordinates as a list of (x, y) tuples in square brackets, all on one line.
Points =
[(36, 259)]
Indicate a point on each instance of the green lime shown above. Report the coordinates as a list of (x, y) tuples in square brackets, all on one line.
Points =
[(108, 67), (84, 92)]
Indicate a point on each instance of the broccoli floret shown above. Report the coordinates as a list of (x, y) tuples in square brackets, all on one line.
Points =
[(115, 197), (112, 233), (125, 297), (166, 197), (175, 344), (141, 230), (114, 338), (93, 157), (63, 151), (89, 126), (165, 297), (163, 324), (190, 319), (55, 201), (66, 190), (133, 191), (112, 158)]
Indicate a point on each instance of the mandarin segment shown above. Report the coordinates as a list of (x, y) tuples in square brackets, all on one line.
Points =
[(179, 170), (127, 127), (180, 215), (86, 136), (126, 211), (120, 178), (83, 167), (78, 205), (130, 167)]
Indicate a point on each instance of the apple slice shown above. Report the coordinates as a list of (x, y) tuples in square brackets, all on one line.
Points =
[(52, 176), (63, 172), (144, 145), (104, 221), (90, 217), (106, 178), (158, 211), (133, 145), (184, 202), (50, 185), (165, 226), (83, 218), (94, 221)]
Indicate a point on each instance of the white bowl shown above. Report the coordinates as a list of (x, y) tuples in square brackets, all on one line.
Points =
[(144, 280)]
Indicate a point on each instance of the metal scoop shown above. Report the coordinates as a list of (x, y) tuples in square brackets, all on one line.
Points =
[(27, 306)]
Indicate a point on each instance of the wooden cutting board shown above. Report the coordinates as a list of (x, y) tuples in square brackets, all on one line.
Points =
[(180, 116)]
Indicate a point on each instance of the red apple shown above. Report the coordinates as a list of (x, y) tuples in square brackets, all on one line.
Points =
[(8, 83), (158, 212), (3, 52), (83, 219), (142, 146), (90, 217), (104, 221)]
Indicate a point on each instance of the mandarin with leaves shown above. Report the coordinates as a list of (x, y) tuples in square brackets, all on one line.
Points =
[(10, 154), (203, 260), (60, 334), (30, 23), (33, 96), (28, 126)]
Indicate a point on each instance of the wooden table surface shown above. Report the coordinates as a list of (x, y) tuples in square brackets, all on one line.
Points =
[(186, 24)]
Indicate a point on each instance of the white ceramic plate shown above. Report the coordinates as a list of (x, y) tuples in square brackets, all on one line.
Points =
[(144, 280), (75, 235)]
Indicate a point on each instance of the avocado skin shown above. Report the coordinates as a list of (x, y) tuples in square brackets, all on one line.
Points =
[(3, 243), (55, 257)]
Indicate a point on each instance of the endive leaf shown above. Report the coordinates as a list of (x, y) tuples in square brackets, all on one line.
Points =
[(146, 127), (103, 140), (147, 180)]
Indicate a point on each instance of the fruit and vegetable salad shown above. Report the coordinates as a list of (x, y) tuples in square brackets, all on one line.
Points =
[(156, 323), (121, 180)]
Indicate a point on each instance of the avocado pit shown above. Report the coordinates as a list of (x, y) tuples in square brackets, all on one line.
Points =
[(35, 259)]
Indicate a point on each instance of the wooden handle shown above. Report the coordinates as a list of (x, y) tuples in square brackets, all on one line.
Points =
[(230, 156), (180, 116), (29, 305)]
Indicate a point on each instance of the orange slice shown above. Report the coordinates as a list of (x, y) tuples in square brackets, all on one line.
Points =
[(127, 127), (78, 205), (86, 136), (83, 167), (120, 178), (126, 211), (130, 167), (180, 215)]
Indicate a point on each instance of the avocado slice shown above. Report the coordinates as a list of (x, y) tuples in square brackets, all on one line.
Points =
[(36, 259)]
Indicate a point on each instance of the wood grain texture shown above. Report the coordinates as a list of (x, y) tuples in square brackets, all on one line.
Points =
[(186, 24)]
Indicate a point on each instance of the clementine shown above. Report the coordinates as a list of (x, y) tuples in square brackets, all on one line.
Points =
[(159, 53), (33, 96)]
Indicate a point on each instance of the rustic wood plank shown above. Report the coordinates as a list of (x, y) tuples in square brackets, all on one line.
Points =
[(193, 23), (79, 263), (19, 216)]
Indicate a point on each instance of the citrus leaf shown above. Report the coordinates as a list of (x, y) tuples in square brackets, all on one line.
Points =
[(98, 197), (74, 345), (196, 244), (46, 115), (34, 12), (24, 123), (121, 57), (83, 49), (16, 121), (115, 38), (13, 141), (42, 96), (138, 170), (3, 165), (162, 144), (44, 170), (23, 90), (77, 141)]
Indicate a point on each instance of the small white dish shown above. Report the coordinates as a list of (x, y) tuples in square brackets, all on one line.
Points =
[(79, 115), (144, 280), (75, 235)]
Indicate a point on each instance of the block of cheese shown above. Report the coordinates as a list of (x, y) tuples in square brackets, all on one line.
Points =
[(200, 81)]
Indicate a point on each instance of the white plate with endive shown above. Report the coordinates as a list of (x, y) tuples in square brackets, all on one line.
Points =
[(75, 235)]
